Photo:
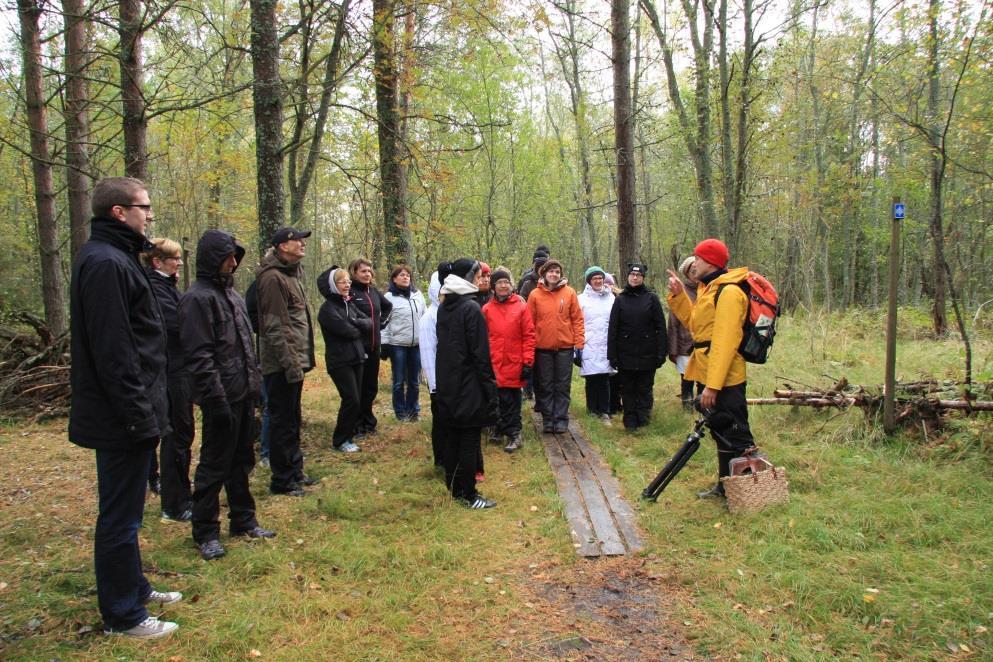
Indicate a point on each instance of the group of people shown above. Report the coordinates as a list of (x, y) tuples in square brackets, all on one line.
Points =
[(143, 354)]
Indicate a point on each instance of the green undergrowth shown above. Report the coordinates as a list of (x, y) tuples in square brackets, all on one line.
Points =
[(882, 551)]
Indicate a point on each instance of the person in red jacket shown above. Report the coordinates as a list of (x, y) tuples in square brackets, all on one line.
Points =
[(511, 332)]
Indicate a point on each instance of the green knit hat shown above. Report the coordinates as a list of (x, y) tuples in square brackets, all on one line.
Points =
[(593, 271)]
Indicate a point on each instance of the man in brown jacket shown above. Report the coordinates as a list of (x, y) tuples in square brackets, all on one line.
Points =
[(286, 349)]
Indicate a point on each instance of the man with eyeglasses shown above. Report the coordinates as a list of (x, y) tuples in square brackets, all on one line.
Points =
[(286, 349), (119, 403)]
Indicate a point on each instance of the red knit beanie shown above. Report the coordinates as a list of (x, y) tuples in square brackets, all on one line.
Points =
[(713, 251)]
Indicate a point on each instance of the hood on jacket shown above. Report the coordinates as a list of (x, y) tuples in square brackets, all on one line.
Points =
[(434, 289), (213, 248), (271, 261), (455, 285), (604, 290), (562, 283), (325, 282)]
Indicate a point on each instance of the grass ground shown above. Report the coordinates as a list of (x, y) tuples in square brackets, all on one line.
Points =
[(882, 552)]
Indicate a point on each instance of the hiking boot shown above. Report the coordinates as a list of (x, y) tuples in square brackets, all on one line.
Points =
[(150, 628), (163, 597), (170, 518), (306, 481), (292, 490), (211, 549), (548, 428), (514, 444), (605, 418), (255, 532), (479, 503), (715, 492)]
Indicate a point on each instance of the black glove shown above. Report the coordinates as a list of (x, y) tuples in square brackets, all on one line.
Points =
[(220, 415), (384, 352), (577, 357), (526, 373)]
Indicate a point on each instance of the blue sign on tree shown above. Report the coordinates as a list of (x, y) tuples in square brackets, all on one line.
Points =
[(898, 211)]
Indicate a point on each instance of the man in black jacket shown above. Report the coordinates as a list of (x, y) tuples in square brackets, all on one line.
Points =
[(466, 385), (217, 339), (637, 344), (119, 405)]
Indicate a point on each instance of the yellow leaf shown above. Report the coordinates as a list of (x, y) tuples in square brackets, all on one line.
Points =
[(717, 526), (869, 598), (255, 653)]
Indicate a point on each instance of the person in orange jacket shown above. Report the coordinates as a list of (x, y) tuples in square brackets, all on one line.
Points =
[(559, 339), (717, 328)]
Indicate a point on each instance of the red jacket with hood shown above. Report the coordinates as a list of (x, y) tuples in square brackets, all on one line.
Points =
[(512, 338)]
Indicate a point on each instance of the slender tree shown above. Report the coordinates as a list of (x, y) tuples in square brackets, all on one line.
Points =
[(77, 122), (53, 295), (268, 108), (132, 96), (620, 39)]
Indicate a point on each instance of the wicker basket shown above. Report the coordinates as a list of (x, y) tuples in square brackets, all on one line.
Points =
[(766, 485)]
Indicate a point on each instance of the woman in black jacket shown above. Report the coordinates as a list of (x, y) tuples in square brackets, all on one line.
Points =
[(637, 345), (377, 308), (466, 386), (343, 326), (163, 262)]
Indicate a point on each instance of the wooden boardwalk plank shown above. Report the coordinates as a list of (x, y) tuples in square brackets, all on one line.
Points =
[(601, 521), (624, 514), (575, 513)]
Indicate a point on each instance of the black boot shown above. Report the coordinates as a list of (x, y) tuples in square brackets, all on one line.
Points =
[(686, 393), (715, 492)]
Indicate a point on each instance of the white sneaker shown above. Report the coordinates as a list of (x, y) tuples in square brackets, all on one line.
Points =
[(150, 628), (164, 597), (348, 447)]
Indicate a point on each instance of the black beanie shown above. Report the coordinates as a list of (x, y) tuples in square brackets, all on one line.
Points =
[(499, 275), (465, 268), (444, 268)]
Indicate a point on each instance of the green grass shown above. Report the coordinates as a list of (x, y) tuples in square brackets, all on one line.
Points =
[(883, 550)]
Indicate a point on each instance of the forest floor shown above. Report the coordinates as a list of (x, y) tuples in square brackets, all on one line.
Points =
[(883, 550)]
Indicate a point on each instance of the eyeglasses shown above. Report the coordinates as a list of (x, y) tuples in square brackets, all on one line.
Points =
[(177, 258), (146, 208)]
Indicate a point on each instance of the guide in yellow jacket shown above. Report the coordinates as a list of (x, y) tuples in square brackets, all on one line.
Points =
[(716, 325)]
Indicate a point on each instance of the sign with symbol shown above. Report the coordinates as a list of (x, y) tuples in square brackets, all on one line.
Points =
[(898, 211)]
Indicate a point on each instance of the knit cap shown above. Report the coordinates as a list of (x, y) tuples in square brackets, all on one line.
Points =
[(713, 251)]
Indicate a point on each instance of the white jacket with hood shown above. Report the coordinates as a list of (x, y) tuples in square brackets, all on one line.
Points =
[(596, 316)]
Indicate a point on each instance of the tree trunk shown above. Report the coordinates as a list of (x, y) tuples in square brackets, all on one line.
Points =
[(53, 296), (395, 231), (268, 106), (77, 124), (132, 96), (404, 88), (627, 235), (939, 284)]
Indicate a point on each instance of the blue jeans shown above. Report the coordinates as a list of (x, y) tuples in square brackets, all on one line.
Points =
[(122, 476), (406, 362)]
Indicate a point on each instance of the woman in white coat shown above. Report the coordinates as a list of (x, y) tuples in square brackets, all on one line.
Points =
[(400, 342), (596, 302)]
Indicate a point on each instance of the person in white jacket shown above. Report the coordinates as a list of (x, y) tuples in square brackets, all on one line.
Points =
[(428, 340), (596, 302), (401, 343)]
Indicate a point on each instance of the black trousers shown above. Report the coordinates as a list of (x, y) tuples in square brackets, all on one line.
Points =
[(175, 448), (598, 394), (552, 384), (227, 456), (616, 406), (462, 452), (348, 380), (729, 426), (285, 456), (122, 478), (636, 391), (439, 433), (369, 389), (508, 411)]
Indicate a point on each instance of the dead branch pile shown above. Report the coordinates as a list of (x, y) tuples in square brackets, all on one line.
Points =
[(34, 369), (924, 401)]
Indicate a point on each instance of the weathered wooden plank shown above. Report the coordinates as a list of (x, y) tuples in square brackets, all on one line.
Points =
[(596, 503), (572, 502), (624, 514)]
